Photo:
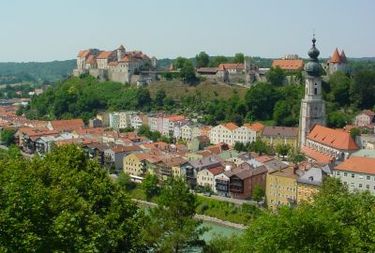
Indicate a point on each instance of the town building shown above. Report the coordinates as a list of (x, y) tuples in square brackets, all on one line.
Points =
[(358, 173), (290, 64), (274, 135), (66, 125), (206, 177), (328, 146), (281, 188), (312, 105), (230, 133), (365, 119), (309, 183)]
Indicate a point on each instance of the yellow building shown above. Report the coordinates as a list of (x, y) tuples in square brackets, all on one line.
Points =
[(133, 165), (274, 135), (281, 187)]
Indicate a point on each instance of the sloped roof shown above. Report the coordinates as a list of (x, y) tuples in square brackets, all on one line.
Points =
[(335, 58), (104, 55), (237, 66), (343, 57), (279, 131), (358, 164), (216, 170), (317, 156), (335, 138), (230, 126), (288, 64), (124, 149), (67, 125), (314, 176), (83, 53), (256, 126)]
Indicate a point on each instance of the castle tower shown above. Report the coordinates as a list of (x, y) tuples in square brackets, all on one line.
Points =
[(312, 105), (120, 52), (337, 62)]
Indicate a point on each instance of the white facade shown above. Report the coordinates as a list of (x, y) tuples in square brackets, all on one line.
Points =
[(206, 178), (221, 133), (356, 181)]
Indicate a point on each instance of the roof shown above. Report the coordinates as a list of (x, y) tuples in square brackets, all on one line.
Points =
[(216, 170), (288, 64), (314, 176), (275, 164), (207, 70), (214, 149), (237, 66), (91, 60), (256, 126), (343, 57), (364, 153), (83, 53), (246, 173), (148, 157), (335, 138), (124, 149), (358, 164), (231, 126), (175, 118), (335, 58), (67, 125), (210, 161), (317, 156), (264, 158), (275, 131), (287, 172), (104, 55), (368, 113)]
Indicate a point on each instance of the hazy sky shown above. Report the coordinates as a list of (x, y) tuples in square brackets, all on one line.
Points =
[(44, 30)]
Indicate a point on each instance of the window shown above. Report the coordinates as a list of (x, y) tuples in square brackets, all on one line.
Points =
[(345, 174), (360, 185), (353, 176), (315, 91), (368, 177), (338, 173), (367, 187)]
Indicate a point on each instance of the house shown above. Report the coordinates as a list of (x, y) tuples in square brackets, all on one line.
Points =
[(198, 143), (206, 177), (207, 72), (170, 166), (281, 187), (288, 64), (114, 156), (139, 164), (243, 180), (68, 125), (27, 137), (365, 119), (222, 183), (95, 151), (327, 146), (337, 62), (191, 168), (358, 173), (309, 184), (274, 135)]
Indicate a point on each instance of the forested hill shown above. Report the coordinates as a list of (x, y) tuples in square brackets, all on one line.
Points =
[(35, 72)]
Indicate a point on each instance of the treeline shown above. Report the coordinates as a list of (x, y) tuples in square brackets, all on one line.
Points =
[(35, 72)]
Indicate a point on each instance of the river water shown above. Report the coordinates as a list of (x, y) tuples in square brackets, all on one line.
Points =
[(217, 229)]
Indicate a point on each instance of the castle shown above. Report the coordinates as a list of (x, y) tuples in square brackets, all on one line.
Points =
[(337, 62), (118, 65)]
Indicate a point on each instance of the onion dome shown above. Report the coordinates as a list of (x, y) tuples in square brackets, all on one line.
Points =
[(313, 67)]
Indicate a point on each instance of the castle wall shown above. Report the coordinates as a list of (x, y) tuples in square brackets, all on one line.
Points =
[(121, 77)]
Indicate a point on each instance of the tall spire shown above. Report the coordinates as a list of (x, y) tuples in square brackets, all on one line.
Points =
[(313, 67)]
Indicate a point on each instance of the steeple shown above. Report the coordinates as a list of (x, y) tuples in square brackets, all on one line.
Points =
[(312, 105)]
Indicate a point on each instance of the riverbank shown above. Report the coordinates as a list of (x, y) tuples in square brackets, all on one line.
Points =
[(198, 216)]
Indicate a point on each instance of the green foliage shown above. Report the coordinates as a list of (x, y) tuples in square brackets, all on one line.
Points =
[(260, 100), (144, 130), (150, 186), (125, 182), (7, 136), (64, 203), (239, 58), (362, 90), (338, 119), (276, 76), (339, 86), (217, 60), (295, 156), (202, 59), (336, 221), (354, 132), (171, 227), (283, 149), (187, 73), (258, 193)]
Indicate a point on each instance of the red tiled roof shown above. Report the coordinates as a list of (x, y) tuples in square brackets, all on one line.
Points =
[(91, 60), (256, 126), (264, 158), (237, 66), (175, 118), (343, 57), (83, 53), (123, 149), (67, 125), (216, 170), (104, 55), (335, 138), (317, 156), (335, 58), (358, 164), (214, 149), (231, 126), (288, 64)]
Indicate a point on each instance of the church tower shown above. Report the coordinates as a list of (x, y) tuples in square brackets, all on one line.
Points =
[(312, 106)]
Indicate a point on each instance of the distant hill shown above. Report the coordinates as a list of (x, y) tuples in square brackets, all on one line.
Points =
[(35, 72)]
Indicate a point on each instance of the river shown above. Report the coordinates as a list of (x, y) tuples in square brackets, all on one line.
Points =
[(217, 229)]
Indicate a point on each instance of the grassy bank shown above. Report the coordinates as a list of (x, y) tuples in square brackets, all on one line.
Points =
[(215, 208)]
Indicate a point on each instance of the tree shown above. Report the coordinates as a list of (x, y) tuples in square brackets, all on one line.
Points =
[(337, 119), (171, 226), (159, 97), (295, 156), (64, 202), (260, 101), (124, 180), (7, 136), (202, 59), (150, 186), (239, 146), (188, 72), (258, 193), (217, 60), (180, 62), (239, 58), (362, 89), (354, 132), (340, 87), (276, 76), (282, 149), (336, 221)]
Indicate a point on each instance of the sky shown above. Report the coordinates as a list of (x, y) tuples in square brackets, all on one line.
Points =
[(45, 30)]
